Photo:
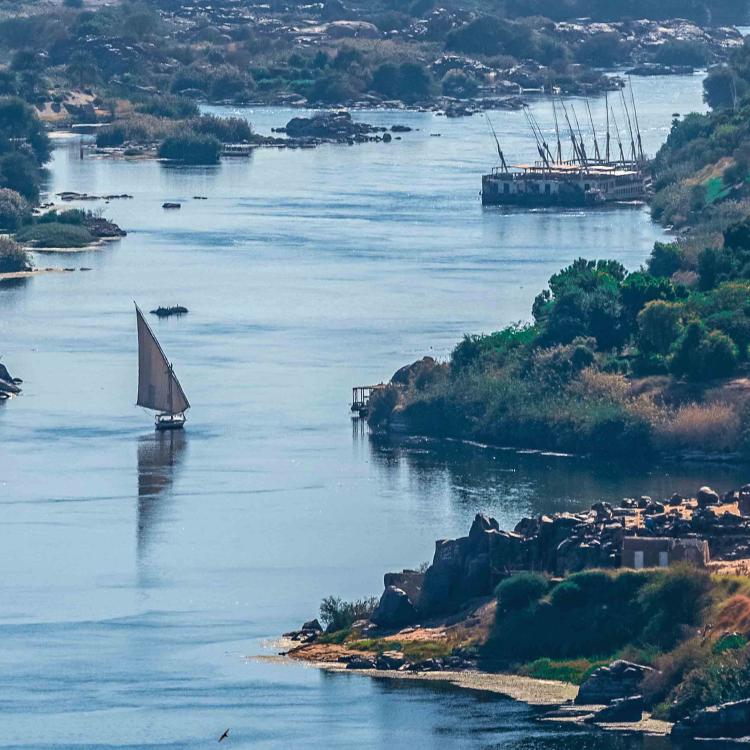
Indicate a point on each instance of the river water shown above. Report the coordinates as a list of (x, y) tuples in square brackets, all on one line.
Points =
[(140, 571)]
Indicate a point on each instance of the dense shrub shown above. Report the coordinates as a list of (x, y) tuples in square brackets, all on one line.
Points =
[(700, 354), (596, 613), (12, 257), (191, 148), (659, 325), (14, 210), (55, 234), (520, 590), (336, 614)]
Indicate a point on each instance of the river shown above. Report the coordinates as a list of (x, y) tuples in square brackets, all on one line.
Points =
[(140, 572)]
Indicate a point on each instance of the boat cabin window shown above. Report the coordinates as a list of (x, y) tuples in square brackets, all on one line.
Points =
[(506, 187), (547, 188), (587, 186)]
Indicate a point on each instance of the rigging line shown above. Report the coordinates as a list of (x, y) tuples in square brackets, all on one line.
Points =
[(606, 147), (557, 133), (576, 151)]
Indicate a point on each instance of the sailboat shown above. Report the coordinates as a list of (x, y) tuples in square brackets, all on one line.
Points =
[(158, 387)]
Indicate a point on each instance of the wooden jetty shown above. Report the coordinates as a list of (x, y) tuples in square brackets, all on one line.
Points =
[(361, 398)]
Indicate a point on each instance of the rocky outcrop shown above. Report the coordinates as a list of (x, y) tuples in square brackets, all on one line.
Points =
[(336, 127), (395, 609), (730, 720), (309, 632), (621, 679)]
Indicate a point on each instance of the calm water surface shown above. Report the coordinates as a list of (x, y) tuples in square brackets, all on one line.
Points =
[(140, 571)]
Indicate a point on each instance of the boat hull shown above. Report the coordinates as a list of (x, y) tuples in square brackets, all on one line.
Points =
[(169, 422)]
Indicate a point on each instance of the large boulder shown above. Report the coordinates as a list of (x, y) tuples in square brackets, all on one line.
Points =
[(417, 373), (706, 496), (620, 710), (394, 609), (725, 720), (390, 660), (621, 679)]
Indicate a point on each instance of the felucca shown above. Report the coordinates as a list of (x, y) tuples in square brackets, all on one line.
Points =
[(158, 387)]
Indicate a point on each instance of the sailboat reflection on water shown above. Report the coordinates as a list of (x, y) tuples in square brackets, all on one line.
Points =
[(158, 387)]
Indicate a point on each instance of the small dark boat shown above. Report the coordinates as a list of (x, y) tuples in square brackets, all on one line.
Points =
[(171, 204), (165, 312)]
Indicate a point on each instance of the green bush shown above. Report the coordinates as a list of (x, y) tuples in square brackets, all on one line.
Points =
[(336, 614), (520, 590), (13, 257), (191, 148), (665, 259), (14, 210), (55, 234), (700, 354)]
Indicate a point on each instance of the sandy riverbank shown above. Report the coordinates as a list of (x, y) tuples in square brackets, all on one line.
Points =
[(556, 697)]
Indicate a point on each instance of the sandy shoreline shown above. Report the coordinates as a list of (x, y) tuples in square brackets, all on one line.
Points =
[(556, 697)]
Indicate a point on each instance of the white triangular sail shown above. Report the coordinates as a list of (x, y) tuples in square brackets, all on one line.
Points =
[(158, 387)]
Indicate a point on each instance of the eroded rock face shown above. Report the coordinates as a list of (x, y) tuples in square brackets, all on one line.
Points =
[(725, 720), (621, 679)]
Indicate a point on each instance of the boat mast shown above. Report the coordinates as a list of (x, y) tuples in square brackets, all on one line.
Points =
[(576, 150), (539, 148), (580, 135), (171, 377), (593, 130), (619, 140), (606, 107), (637, 126), (630, 126), (497, 143), (557, 133)]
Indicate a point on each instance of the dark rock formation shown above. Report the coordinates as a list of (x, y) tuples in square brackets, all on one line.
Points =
[(706, 496), (336, 127), (360, 662), (307, 633), (621, 679), (620, 710), (725, 720), (394, 610), (390, 660)]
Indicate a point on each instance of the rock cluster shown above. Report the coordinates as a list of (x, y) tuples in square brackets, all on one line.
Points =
[(620, 680), (396, 660), (470, 567), (8, 384), (333, 127), (309, 631)]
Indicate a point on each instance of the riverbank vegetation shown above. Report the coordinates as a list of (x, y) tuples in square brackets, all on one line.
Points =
[(614, 363), (80, 63), (690, 627), (13, 257)]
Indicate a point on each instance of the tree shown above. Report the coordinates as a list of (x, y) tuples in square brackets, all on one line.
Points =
[(19, 172), (584, 300), (665, 259), (14, 210), (659, 325), (722, 88), (191, 148), (13, 257)]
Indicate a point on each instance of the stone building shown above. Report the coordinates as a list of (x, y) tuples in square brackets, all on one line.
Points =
[(661, 552)]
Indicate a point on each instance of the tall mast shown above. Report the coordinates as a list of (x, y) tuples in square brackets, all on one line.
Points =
[(637, 126), (630, 126), (497, 143), (557, 133), (171, 376), (580, 134), (606, 107), (619, 140), (593, 130), (576, 150)]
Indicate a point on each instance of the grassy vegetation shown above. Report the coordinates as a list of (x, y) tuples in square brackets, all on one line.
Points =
[(570, 670), (55, 234), (692, 627)]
